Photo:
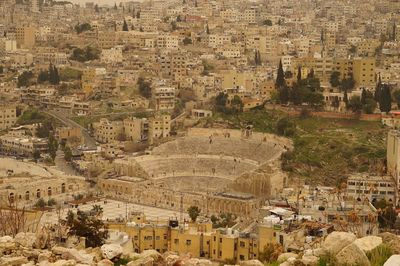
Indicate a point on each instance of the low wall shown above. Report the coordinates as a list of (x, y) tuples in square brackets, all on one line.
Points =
[(240, 134)]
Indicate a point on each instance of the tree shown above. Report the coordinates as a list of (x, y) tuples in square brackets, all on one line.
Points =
[(173, 25), (355, 104), (285, 127), (236, 104), (138, 14), (207, 29), (79, 28), (178, 18), (144, 87), (53, 146), (267, 22), (67, 154), (125, 26), (36, 155), (378, 89), (283, 94), (396, 96), (43, 76), (335, 79), (89, 226), (363, 96), (298, 73), (280, 78), (187, 41), (348, 84), (193, 212), (385, 102), (369, 106), (40, 203), (24, 79), (96, 8)]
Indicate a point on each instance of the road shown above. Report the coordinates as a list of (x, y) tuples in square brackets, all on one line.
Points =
[(89, 141)]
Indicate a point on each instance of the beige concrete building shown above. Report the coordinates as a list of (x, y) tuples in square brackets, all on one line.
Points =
[(8, 116), (25, 36)]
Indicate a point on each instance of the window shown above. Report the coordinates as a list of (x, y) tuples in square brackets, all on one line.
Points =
[(188, 242), (242, 244), (176, 241)]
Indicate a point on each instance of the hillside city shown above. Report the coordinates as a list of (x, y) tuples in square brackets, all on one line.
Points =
[(200, 133)]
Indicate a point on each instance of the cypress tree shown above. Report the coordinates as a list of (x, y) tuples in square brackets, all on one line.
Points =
[(51, 73), (56, 76), (125, 26), (299, 73), (363, 96), (280, 78), (207, 29), (378, 90), (385, 103)]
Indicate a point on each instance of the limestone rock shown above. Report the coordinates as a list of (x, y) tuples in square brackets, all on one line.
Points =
[(64, 263), (105, 262), (310, 260), (352, 255), (5, 239), (336, 241), (170, 259), (198, 262), (25, 239), (148, 261), (394, 260), (251, 263), (70, 253), (11, 261), (111, 251), (44, 256), (368, 243), (30, 263), (285, 256), (152, 254)]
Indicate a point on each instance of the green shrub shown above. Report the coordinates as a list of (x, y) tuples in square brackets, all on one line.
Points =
[(379, 255)]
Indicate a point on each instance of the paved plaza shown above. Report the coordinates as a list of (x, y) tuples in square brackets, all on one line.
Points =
[(115, 210)]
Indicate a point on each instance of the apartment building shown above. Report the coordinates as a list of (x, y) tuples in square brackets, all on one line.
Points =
[(8, 116), (364, 71), (198, 239), (159, 126), (22, 145), (106, 39), (373, 188), (108, 131), (164, 98), (25, 37)]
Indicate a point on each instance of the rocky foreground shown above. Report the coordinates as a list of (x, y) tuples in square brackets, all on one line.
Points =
[(342, 248), (338, 248)]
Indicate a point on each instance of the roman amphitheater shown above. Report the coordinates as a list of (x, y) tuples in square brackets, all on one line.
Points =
[(219, 170)]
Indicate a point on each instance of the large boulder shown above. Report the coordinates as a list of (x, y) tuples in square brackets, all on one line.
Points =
[(73, 254), (148, 261), (352, 255), (25, 239), (5, 239), (111, 251), (394, 260), (285, 256), (171, 259), (44, 255), (368, 243), (251, 263), (64, 263), (105, 262), (198, 262), (392, 241), (154, 254), (11, 261), (309, 260), (336, 241)]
